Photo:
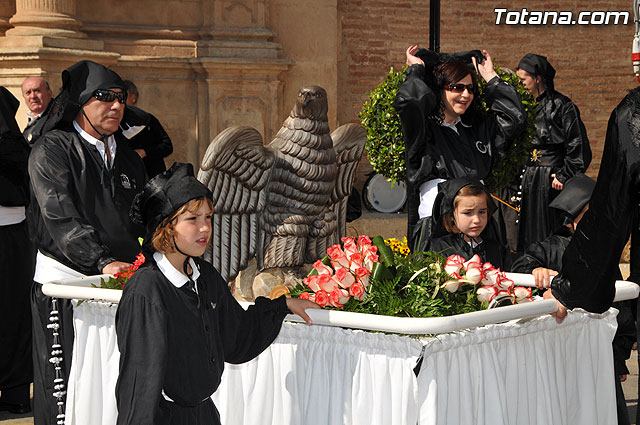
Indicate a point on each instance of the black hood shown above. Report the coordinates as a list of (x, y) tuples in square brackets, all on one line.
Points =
[(574, 195), (163, 195), (538, 65), (447, 191), (8, 107), (431, 58)]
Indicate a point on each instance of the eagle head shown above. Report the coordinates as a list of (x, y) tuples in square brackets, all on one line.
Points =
[(311, 104)]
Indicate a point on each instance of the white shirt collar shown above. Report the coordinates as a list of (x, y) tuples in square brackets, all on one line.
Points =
[(453, 126), (175, 277), (111, 142)]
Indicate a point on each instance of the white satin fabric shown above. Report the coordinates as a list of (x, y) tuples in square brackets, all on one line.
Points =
[(536, 372)]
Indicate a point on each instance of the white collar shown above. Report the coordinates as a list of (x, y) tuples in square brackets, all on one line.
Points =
[(175, 277), (453, 126), (99, 144)]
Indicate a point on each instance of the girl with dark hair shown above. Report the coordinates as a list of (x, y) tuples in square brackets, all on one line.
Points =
[(461, 213), (446, 135)]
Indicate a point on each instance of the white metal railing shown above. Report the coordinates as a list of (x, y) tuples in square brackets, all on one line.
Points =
[(82, 289)]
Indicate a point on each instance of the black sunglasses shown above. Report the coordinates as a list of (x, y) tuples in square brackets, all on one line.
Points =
[(110, 96), (459, 88)]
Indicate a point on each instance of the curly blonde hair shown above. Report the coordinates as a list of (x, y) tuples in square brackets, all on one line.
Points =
[(163, 237)]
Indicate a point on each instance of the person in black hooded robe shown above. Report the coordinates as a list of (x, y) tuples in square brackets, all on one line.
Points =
[(544, 260), (177, 322), (561, 150), (16, 263), (445, 134), (83, 182), (455, 241)]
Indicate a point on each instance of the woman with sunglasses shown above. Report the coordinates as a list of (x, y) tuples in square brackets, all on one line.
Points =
[(445, 132)]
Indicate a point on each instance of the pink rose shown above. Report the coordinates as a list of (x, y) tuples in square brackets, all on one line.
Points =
[(338, 297), (322, 298), (521, 293), (453, 264), (451, 285), (503, 283), (338, 257), (369, 250), (304, 296), (362, 275), (344, 278), (326, 283), (312, 282), (363, 240), (369, 260), (490, 276), (473, 261), (322, 268), (474, 274), (357, 291), (350, 246), (355, 261), (486, 293)]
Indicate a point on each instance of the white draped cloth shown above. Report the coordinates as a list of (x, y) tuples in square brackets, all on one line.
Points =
[(535, 372)]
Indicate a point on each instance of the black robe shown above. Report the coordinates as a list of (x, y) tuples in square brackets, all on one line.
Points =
[(144, 131), (590, 262), (174, 340), (16, 261), (80, 209), (435, 151), (562, 148)]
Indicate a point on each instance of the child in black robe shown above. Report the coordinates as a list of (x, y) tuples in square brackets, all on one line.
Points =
[(177, 322), (462, 209), (543, 259)]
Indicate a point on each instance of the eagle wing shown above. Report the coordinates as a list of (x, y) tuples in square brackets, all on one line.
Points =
[(236, 168), (348, 143)]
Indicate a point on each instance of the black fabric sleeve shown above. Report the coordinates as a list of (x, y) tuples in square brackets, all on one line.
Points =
[(576, 143), (590, 262), (414, 102), (141, 328), (536, 255), (14, 181), (161, 146), (246, 333), (507, 112), (52, 185)]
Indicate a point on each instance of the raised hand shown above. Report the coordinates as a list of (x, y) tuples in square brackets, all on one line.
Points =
[(411, 58)]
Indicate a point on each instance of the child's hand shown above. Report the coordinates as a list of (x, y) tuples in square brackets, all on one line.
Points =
[(298, 306), (543, 277)]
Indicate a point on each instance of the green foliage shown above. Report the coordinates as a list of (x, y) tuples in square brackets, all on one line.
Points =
[(385, 145)]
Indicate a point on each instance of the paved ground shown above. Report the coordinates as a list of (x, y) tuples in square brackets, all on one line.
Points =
[(630, 391)]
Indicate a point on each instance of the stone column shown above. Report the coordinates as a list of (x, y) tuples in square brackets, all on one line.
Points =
[(45, 18)]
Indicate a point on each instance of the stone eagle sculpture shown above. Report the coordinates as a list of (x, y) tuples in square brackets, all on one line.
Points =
[(283, 203)]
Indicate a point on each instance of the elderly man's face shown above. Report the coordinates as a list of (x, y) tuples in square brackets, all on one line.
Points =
[(105, 116), (36, 94)]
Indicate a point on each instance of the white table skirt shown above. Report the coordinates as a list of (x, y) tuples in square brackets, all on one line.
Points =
[(537, 372)]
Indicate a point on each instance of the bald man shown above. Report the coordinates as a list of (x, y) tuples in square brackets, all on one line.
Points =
[(37, 95)]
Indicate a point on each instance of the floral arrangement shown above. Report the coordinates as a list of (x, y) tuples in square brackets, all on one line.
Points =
[(364, 275), (120, 278)]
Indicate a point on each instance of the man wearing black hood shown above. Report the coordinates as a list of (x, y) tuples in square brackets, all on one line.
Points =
[(16, 265), (561, 150), (83, 182)]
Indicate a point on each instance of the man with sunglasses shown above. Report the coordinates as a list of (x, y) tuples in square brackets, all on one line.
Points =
[(562, 150), (83, 181)]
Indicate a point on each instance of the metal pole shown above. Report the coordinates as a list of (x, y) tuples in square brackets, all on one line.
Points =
[(434, 25)]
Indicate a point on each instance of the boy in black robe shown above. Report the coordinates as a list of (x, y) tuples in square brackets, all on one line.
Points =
[(177, 322), (83, 182)]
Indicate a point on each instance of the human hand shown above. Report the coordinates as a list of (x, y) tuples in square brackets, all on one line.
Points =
[(543, 277), (298, 306), (561, 313), (411, 58), (485, 68), (141, 152), (623, 378), (116, 267), (556, 183)]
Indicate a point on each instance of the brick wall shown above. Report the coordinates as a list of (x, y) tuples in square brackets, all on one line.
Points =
[(592, 62)]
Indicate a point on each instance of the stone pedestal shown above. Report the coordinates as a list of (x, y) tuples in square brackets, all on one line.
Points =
[(45, 18)]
